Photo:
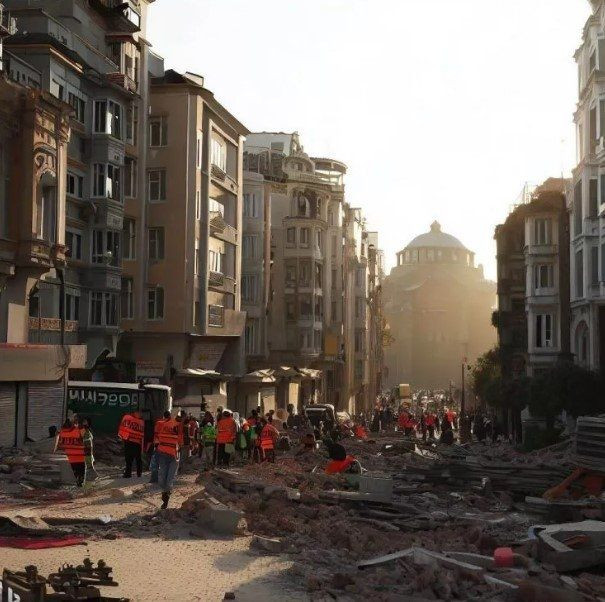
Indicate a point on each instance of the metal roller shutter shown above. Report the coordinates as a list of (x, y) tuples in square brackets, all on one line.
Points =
[(8, 413), (44, 408)]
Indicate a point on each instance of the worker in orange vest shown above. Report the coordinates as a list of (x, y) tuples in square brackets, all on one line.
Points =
[(268, 438), (430, 420), (132, 431), (71, 441), (226, 431), (169, 435)]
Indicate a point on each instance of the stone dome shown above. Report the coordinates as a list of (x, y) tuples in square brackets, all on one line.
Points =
[(436, 239)]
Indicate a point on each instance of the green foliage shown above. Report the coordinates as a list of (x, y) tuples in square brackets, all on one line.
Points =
[(486, 375)]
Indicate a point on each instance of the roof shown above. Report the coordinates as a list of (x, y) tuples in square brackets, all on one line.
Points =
[(436, 238)]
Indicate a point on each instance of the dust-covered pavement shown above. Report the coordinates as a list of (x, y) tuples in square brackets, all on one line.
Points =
[(153, 555)]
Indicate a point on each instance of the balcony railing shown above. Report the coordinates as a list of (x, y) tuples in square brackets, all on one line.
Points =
[(124, 81), (8, 24), (216, 278), (216, 316)]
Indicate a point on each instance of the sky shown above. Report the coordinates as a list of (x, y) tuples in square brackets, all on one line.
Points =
[(441, 109)]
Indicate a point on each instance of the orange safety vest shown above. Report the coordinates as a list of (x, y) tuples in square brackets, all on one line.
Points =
[(336, 466), (226, 430), (169, 435), (72, 443), (132, 429), (268, 436)]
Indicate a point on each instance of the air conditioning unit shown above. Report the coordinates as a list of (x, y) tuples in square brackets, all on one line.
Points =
[(12, 26)]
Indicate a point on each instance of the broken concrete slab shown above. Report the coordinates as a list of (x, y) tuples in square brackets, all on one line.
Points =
[(18, 524), (267, 544), (377, 486), (217, 517)]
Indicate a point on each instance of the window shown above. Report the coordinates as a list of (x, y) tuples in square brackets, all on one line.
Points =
[(79, 106), (359, 274), (318, 275), (73, 241), (291, 275), (158, 131), (155, 303), (305, 274), (130, 177), (249, 246), (334, 277), (103, 309), (250, 205), (543, 276), (334, 310), (602, 199), (216, 315), (544, 330), (250, 288), (127, 299), (593, 200), (290, 310), (330, 217), (196, 259), (108, 118), (358, 369), (319, 239), (198, 204), (132, 123), (129, 239), (305, 306), (359, 307), (251, 337), (334, 245), (542, 231), (592, 61), (305, 339), (579, 273), (317, 339), (215, 207), (72, 307), (156, 186), (358, 341), (304, 237), (106, 181), (106, 247), (155, 241), (430, 255), (218, 154), (198, 151), (594, 265), (197, 318), (215, 261), (75, 185), (98, 246), (577, 208), (291, 236)]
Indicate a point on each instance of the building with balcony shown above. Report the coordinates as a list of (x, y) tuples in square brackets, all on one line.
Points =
[(181, 306), (533, 316), (319, 276), (34, 136), (587, 202), (438, 305), (91, 54)]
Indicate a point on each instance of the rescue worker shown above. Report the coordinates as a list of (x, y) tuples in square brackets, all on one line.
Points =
[(153, 463), (71, 441), (194, 428), (268, 439), (226, 431), (430, 420), (170, 441), (131, 432), (208, 436)]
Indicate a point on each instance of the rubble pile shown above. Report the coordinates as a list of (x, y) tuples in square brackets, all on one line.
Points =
[(451, 510)]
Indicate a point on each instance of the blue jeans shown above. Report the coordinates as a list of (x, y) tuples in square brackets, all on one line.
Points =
[(167, 467)]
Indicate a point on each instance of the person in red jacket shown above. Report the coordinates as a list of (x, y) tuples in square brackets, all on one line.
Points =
[(131, 432), (71, 441), (268, 439), (226, 431)]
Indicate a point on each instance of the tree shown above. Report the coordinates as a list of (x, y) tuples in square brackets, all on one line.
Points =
[(486, 377)]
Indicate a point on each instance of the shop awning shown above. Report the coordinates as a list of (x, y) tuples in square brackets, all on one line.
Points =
[(200, 373)]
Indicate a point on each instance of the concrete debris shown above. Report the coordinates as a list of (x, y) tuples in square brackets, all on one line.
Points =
[(267, 544)]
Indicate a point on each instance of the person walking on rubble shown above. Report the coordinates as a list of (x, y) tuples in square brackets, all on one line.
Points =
[(131, 432), (170, 440), (268, 439), (71, 441), (208, 436), (226, 431), (89, 458)]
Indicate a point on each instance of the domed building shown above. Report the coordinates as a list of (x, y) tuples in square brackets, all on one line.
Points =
[(438, 307)]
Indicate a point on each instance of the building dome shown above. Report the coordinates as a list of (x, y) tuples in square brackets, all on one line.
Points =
[(436, 238)]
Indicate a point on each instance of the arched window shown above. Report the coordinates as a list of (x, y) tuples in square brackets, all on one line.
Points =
[(582, 344)]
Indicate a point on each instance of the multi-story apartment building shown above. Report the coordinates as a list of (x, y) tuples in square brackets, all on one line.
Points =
[(376, 322), (533, 317), (93, 55), (307, 211), (34, 135), (182, 317), (587, 203)]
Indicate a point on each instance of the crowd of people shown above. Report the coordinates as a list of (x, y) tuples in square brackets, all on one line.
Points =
[(173, 441)]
